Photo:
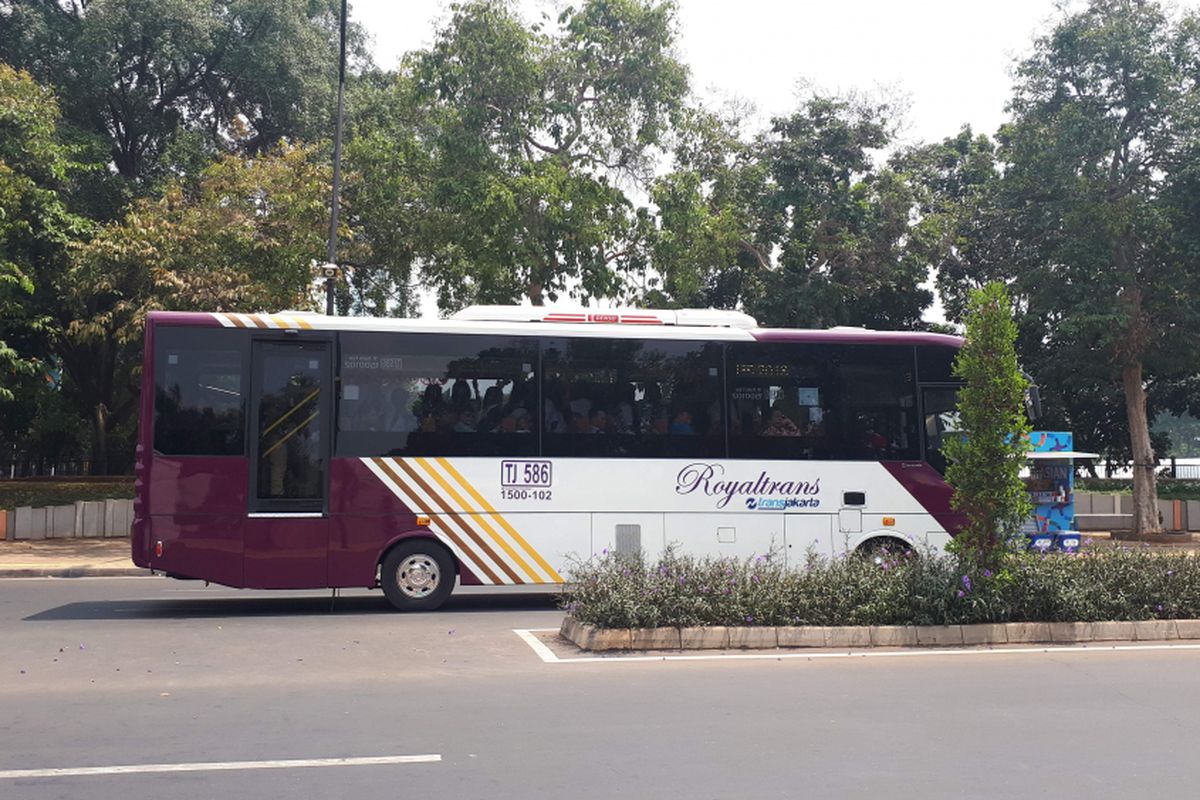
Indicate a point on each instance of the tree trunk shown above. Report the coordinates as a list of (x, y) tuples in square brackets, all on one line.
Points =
[(534, 290), (1145, 491), (100, 440)]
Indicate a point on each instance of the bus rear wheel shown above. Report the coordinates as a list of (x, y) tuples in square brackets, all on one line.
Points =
[(417, 575)]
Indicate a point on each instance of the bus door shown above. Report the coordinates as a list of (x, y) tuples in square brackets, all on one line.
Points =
[(287, 527)]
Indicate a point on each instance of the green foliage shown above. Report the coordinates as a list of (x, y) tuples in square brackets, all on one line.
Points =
[(141, 73), (531, 130), (35, 224), (39, 492), (797, 225), (986, 463), (898, 589)]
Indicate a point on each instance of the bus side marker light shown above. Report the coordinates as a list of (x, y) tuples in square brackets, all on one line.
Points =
[(889, 522), (423, 521), (158, 549)]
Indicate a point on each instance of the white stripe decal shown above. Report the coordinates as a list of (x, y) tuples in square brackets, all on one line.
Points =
[(216, 766), (225, 321), (470, 558)]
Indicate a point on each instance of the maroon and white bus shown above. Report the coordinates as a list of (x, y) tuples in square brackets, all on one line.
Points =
[(298, 451)]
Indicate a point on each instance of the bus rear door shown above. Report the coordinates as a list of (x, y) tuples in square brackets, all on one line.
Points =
[(287, 528)]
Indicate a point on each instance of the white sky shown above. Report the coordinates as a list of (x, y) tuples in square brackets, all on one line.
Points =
[(950, 58)]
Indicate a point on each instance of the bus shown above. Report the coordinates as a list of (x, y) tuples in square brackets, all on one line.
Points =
[(300, 451)]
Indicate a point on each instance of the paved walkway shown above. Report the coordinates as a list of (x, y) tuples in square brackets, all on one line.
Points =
[(67, 558)]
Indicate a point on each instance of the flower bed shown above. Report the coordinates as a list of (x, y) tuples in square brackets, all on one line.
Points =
[(679, 591)]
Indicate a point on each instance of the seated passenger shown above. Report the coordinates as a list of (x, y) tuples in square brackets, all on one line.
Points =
[(599, 422), (466, 422), (682, 424), (779, 425)]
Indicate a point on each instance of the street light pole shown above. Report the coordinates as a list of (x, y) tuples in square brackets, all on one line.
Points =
[(337, 166)]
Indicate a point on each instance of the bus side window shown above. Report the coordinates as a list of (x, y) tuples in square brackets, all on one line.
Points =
[(414, 394), (781, 401), (632, 398), (199, 402)]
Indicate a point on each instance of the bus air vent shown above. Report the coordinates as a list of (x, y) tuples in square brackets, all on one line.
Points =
[(629, 539)]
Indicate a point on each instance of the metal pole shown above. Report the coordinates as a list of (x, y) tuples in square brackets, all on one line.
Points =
[(337, 165)]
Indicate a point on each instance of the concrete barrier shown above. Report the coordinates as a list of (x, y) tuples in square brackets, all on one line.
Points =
[(91, 518), (60, 522), (1104, 522), (1192, 513)]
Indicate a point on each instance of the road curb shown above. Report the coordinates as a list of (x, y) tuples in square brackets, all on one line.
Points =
[(761, 637), (74, 572)]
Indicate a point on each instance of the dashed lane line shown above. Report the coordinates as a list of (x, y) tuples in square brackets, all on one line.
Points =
[(215, 766)]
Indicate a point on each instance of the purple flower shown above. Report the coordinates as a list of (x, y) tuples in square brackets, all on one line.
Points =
[(1158, 607), (749, 619), (987, 573), (960, 593), (966, 582)]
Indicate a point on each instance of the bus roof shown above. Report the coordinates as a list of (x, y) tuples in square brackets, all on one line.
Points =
[(685, 324)]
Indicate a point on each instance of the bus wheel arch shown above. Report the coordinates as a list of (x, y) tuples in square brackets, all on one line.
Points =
[(878, 545), (417, 573)]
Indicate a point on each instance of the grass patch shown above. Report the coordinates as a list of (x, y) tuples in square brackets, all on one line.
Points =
[(41, 492), (928, 589), (1168, 489)]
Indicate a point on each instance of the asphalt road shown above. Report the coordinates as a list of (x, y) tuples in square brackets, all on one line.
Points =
[(146, 671)]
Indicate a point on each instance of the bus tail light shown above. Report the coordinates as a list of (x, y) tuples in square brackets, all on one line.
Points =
[(423, 521), (889, 522)]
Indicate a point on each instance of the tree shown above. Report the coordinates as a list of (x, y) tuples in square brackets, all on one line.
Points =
[(141, 73), (985, 465), (243, 240), (531, 132), (35, 224), (799, 225), (1100, 164)]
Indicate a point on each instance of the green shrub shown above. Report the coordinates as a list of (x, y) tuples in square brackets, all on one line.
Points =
[(615, 591)]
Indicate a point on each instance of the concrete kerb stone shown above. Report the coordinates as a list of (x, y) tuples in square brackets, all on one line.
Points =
[(714, 638), (753, 638), (589, 637), (893, 636), (987, 633), (1117, 631), (1027, 632), (801, 635), (1187, 628), (848, 636), (654, 638), (1154, 630), (940, 635)]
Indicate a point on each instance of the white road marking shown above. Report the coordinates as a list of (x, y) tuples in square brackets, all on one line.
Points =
[(215, 766), (545, 653), (549, 657)]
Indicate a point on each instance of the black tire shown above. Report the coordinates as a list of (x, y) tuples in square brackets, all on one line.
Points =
[(417, 575)]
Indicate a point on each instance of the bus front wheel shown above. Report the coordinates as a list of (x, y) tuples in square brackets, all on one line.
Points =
[(417, 575)]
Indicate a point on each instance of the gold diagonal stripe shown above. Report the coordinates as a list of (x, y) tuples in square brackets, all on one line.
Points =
[(467, 529), (290, 411), (500, 519), (476, 561), (290, 434), (497, 538), (280, 321)]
